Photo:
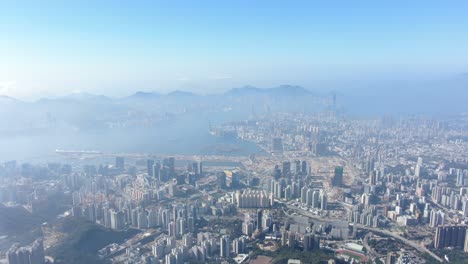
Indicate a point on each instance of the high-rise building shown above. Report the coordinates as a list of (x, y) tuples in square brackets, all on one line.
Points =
[(391, 258), (142, 220), (277, 172), (286, 173), (370, 164), (149, 166), (247, 228), (259, 219), (253, 199), (284, 238), (373, 178), (310, 242), (153, 218), (450, 236), (310, 197), (158, 249), (172, 229), (420, 161), (465, 246), (323, 200), (297, 167), (171, 165), (117, 220), (277, 145), (221, 179), (304, 167), (417, 169), (304, 194), (170, 259), (157, 171), (337, 180), (316, 199), (460, 178), (26, 255), (238, 245), (195, 167), (224, 247), (436, 218), (120, 162), (37, 255), (291, 239)]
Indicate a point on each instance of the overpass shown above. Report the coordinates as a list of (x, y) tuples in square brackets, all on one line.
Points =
[(410, 243)]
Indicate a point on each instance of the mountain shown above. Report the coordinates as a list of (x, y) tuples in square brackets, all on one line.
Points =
[(246, 90), (87, 97), (178, 93), (143, 95), (16, 219), (289, 90), (282, 90), (80, 240)]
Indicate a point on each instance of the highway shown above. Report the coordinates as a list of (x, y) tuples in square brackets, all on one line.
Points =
[(410, 243)]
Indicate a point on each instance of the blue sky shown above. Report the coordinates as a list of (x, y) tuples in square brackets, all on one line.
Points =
[(118, 47)]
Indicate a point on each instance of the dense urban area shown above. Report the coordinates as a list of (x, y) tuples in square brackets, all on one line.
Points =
[(233, 132), (327, 189)]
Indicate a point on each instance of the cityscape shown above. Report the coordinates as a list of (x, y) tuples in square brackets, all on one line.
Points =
[(343, 190), (247, 132)]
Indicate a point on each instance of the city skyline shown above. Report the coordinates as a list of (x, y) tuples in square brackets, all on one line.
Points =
[(248, 132)]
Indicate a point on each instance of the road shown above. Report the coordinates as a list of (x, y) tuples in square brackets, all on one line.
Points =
[(370, 251), (410, 243)]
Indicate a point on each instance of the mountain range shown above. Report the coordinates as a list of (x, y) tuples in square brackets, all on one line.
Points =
[(283, 90), (361, 97)]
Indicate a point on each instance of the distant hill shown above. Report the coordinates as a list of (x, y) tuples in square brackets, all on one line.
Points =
[(290, 90), (19, 225), (143, 95), (17, 219), (282, 90), (246, 90), (87, 97), (178, 93), (83, 239)]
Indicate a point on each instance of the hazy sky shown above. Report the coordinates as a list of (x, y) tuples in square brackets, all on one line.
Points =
[(118, 47)]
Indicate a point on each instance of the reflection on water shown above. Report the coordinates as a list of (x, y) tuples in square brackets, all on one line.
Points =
[(188, 134)]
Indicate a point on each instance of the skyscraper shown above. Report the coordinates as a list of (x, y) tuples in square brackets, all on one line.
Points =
[(286, 169), (224, 246), (157, 171), (277, 145), (221, 179), (26, 255), (373, 177), (304, 167), (119, 162), (259, 219), (149, 165), (323, 200), (391, 258), (337, 180), (297, 167), (450, 236)]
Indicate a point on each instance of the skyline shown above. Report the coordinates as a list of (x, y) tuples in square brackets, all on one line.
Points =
[(54, 49), (250, 132)]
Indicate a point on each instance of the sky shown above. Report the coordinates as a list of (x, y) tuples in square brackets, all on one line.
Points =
[(53, 48)]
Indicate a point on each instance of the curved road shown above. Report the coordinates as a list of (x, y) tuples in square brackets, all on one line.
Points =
[(410, 243)]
